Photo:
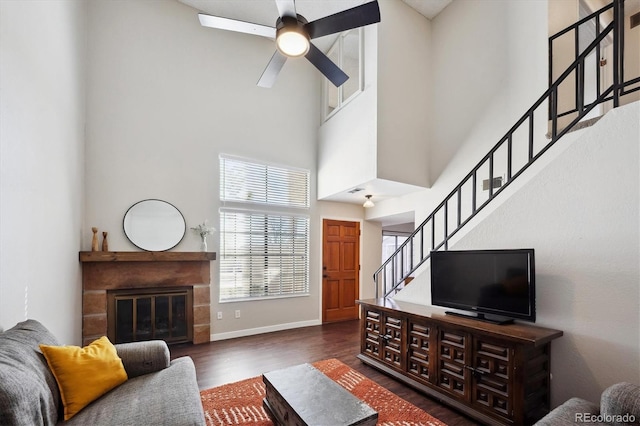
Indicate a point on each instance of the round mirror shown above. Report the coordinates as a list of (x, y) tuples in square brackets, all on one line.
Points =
[(154, 225)]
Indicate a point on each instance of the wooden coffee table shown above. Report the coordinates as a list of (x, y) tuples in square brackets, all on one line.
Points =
[(302, 395)]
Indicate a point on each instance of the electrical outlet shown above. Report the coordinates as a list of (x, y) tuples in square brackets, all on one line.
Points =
[(219, 315), (237, 313)]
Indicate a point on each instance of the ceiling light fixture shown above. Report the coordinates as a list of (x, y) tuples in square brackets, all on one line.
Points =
[(368, 203), (291, 38)]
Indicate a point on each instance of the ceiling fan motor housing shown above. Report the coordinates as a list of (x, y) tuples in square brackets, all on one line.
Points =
[(292, 39)]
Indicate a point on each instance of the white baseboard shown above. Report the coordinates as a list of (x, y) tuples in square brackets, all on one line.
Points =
[(261, 330)]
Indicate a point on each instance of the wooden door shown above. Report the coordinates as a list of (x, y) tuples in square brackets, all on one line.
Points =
[(340, 270)]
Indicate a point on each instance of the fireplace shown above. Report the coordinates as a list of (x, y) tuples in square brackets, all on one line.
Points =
[(134, 315), (158, 295)]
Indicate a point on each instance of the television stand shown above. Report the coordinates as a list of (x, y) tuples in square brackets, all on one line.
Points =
[(481, 317), (496, 374)]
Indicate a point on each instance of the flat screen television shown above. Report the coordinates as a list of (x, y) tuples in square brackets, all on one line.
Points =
[(498, 285)]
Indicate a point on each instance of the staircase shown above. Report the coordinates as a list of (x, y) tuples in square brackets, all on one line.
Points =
[(546, 122)]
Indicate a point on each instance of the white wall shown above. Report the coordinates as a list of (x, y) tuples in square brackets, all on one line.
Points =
[(403, 121), (387, 124), (165, 98), (42, 117), (582, 216), (347, 141), (483, 80), (484, 76)]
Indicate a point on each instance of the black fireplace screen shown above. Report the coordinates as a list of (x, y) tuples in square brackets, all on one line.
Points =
[(149, 315)]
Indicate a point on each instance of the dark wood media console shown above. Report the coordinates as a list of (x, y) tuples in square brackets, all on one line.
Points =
[(497, 374)]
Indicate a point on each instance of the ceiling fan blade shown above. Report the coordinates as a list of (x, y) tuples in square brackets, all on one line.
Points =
[(326, 66), (270, 73), (286, 8), (238, 26), (359, 16)]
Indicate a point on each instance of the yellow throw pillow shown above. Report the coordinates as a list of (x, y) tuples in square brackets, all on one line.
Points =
[(84, 374)]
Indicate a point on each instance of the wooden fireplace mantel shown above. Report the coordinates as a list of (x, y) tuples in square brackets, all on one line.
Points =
[(107, 271), (146, 256)]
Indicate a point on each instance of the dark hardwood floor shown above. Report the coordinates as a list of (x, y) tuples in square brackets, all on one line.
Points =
[(231, 360)]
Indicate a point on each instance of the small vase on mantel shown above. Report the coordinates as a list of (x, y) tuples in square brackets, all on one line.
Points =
[(94, 239), (105, 243), (203, 230)]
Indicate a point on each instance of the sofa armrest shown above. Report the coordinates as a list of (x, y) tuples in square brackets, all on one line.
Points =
[(141, 358), (619, 400)]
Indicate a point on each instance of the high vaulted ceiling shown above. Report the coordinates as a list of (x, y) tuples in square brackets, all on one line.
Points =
[(265, 12)]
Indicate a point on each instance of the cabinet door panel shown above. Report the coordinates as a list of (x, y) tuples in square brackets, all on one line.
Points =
[(418, 350), (371, 335), (392, 338), (453, 354), (493, 384), (372, 321), (371, 345)]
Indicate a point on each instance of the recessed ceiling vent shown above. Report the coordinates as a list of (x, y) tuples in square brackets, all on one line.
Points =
[(354, 190)]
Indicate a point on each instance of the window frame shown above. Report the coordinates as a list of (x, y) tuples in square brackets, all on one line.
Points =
[(243, 210), (326, 84)]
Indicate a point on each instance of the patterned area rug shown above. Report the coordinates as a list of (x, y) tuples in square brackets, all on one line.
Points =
[(240, 403)]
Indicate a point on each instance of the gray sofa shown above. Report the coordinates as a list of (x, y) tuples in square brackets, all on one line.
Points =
[(619, 405), (158, 392)]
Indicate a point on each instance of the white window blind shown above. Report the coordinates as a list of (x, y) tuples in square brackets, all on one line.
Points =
[(250, 182), (263, 253)]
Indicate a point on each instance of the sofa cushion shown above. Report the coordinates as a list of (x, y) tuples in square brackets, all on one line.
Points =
[(169, 396), (84, 374), (28, 391)]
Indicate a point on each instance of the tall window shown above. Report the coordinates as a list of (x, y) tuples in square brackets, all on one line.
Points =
[(264, 230), (347, 54), (390, 243)]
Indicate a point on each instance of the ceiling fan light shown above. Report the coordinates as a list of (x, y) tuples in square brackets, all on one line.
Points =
[(368, 203), (292, 42)]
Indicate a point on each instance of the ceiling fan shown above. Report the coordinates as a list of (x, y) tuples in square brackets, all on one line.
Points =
[(293, 35)]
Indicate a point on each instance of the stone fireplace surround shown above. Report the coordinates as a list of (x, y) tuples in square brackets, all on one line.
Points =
[(103, 271)]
